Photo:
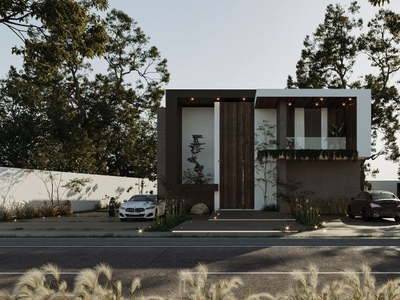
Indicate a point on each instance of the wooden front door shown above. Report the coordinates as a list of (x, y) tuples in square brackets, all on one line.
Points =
[(237, 155)]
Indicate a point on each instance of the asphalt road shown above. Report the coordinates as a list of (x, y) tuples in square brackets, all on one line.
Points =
[(264, 264)]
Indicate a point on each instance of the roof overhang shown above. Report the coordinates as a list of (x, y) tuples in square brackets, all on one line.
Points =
[(307, 98)]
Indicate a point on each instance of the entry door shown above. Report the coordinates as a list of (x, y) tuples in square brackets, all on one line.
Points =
[(236, 155)]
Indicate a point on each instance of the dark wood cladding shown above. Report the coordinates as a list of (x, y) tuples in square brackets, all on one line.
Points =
[(236, 155), (312, 122), (351, 122), (347, 115), (290, 123)]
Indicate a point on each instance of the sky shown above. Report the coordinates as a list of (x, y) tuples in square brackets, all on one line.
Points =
[(228, 44)]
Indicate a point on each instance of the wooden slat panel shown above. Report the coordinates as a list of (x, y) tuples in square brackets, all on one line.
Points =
[(312, 122), (351, 126), (236, 146), (345, 115)]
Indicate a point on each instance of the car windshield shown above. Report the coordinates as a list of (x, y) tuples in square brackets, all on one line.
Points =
[(379, 196), (143, 198)]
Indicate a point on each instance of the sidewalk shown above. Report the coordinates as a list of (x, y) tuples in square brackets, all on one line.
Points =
[(224, 224)]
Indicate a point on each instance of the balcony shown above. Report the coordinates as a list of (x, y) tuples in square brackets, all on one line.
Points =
[(317, 143)]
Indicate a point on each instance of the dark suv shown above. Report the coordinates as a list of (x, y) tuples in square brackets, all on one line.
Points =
[(375, 204)]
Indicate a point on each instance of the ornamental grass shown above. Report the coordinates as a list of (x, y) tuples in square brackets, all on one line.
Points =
[(99, 283)]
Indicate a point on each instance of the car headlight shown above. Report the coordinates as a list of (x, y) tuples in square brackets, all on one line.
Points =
[(150, 207), (374, 205), (121, 208)]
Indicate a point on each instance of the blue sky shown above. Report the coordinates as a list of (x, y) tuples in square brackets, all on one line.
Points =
[(227, 43)]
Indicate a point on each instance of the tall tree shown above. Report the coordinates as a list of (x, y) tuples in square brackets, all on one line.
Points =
[(49, 29), (102, 123), (329, 56), (383, 50), (378, 2), (393, 23)]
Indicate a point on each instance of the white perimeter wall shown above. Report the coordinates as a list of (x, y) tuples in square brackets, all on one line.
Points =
[(259, 115), (387, 185), (198, 120), (33, 186)]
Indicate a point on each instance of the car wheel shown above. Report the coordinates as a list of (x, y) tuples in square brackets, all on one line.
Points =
[(349, 214), (397, 219), (365, 217)]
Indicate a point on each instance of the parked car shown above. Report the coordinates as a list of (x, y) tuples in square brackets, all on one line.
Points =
[(375, 204), (142, 207)]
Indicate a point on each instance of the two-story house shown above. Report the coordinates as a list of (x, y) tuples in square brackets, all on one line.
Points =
[(256, 142)]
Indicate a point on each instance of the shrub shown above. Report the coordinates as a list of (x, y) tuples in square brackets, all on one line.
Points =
[(174, 215), (307, 212), (18, 210), (336, 205), (269, 207)]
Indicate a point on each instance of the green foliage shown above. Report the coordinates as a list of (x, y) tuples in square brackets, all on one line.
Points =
[(306, 212), (196, 176), (330, 53), (269, 207), (329, 56), (189, 176), (24, 210), (19, 16), (175, 214), (307, 154), (335, 205), (265, 167), (383, 49), (378, 2), (57, 114)]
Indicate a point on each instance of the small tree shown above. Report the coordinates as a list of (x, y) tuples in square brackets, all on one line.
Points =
[(53, 184), (196, 176), (265, 169)]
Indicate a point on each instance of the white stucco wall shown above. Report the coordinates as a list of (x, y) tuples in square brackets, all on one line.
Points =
[(34, 186), (200, 121), (270, 116)]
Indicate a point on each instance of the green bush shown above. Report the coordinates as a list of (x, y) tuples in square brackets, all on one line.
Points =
[(336, 205), (306, 212), (24, 210), (174, 215), (269, 207)]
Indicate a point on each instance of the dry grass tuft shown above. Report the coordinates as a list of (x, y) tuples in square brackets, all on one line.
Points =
[(98, 283), (196, 286), (43, 283)]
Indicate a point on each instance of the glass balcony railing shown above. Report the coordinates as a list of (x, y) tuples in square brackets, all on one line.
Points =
[(325, 143)]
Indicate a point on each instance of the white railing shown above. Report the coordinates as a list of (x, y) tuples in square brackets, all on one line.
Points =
[(332, 143)]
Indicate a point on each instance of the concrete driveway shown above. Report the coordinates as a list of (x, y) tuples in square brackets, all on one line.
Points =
[(266, 224)]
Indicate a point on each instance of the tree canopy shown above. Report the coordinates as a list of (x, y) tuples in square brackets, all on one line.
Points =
[(329, 57), (378, 2), (58, 114)]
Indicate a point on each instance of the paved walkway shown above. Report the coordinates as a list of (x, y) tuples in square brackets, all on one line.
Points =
[(221, 224)]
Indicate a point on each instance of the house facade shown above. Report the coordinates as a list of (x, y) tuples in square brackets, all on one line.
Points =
[(257, 144)]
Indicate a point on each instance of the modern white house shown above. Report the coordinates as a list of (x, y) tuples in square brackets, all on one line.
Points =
[(255, 142)]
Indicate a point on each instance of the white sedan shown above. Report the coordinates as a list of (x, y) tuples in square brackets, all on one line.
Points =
[(142, 207)]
